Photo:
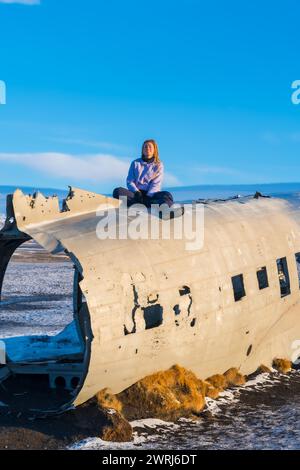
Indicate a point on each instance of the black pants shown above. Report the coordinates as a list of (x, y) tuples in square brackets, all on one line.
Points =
[(161, 197)]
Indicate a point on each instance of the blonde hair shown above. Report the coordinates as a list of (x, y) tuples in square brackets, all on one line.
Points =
[(156, 152)]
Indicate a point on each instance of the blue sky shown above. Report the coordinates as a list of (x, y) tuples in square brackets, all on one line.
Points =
[(88, 81)]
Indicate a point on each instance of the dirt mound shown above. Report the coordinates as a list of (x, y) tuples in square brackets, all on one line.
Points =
[(166, 395), (106, 399), (20, 438), (117, 428), (106, 423), (282, 365)]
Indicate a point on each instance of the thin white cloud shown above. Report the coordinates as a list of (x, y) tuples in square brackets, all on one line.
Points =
[(22, 2), (93, 168), (98, 167)]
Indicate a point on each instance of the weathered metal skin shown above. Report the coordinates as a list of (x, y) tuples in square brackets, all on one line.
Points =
[(186, 296)]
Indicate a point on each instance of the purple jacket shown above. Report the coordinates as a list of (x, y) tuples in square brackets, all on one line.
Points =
[(145, 176)]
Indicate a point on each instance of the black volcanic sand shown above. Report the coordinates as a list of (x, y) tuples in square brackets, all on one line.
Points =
[(28, 431)]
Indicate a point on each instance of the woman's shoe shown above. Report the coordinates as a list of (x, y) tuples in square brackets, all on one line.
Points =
[(171, 212)]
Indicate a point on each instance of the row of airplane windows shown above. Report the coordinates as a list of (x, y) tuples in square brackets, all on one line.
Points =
[(262, 279)]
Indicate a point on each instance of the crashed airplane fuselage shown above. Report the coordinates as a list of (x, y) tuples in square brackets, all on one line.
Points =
[(143, 305)]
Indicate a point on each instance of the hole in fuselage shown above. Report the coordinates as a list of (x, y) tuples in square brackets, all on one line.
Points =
[(60, 382), (75, 382), (43, 320)]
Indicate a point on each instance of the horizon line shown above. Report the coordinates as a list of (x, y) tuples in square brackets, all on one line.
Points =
[(174, 188)]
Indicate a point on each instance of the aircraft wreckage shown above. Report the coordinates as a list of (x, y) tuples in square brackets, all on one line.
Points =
[(141, 306)]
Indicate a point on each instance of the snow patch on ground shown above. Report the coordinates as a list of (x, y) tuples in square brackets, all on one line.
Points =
[(36, 312), (95, 443), (152, 423), (42, 348), (140, 439), (261, 381)]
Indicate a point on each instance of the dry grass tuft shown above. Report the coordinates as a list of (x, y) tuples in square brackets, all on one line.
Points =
[(166, 395), (282, 365), (211, 391), (175, 392), (234, 378), (218, 381)]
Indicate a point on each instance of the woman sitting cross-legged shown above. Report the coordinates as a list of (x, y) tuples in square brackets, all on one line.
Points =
[(144, 182)]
